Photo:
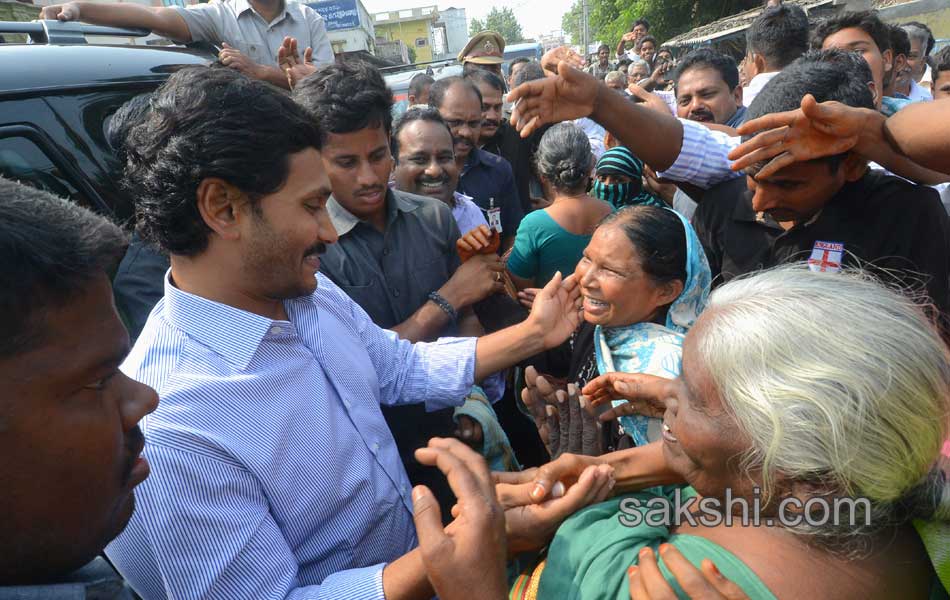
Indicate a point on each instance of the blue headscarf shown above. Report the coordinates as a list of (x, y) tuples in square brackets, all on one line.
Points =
[(656, 349), (620, 161)]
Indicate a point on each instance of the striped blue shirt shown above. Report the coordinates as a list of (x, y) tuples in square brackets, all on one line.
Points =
[(274, 474), (704, 156)]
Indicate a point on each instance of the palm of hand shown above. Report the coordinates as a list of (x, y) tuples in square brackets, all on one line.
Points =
[(558, 317)]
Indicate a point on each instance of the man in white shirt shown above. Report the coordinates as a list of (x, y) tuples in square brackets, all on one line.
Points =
[(921, 45), (775, 39), (250, 31)]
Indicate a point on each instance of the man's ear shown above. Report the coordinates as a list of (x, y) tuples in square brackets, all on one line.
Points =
[(219, 203), (888, 57), (854, 167), (874, 93), (758, 64), (412, 99), (738, 95)]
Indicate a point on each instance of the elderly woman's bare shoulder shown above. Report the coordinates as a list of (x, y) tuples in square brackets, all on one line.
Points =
[(897, 565)]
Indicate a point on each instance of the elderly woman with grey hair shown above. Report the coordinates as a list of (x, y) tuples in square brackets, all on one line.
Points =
[(553, 239), (807, 426)]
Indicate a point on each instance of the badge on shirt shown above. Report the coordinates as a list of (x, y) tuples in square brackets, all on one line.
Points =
[(494, 219), (826, 257)]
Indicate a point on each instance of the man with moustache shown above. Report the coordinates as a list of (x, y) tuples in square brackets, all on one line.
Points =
[(275, 473), (485, 177), (707, 88), (70, 442), (497, 136), (396, 255), (425, 165)]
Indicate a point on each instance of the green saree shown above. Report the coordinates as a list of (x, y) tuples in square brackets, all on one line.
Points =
[(589, 557)]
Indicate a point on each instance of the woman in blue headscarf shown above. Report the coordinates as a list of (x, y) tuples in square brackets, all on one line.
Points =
[(619, 180), (644, 280)]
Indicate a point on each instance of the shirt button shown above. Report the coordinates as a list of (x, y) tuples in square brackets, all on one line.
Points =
[(276, 330), (385, 251), (374, 448), (395, 292), (346, 403)]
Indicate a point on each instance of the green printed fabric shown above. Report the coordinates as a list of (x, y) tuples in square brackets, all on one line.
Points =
[(589, 557)]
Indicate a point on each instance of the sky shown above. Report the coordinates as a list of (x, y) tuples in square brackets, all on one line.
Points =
[(535, 16)]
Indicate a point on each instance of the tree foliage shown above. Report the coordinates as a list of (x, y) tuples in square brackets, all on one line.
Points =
[(610, 19), (503, 21), (475, 25)]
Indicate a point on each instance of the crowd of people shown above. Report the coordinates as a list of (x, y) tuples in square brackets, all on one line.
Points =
[(468, 349)]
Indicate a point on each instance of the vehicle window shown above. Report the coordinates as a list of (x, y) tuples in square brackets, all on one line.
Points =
[(22, 160)]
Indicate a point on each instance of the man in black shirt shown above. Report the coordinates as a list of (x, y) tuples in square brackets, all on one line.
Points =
[(485, 177), (499, 137), (832, 211)]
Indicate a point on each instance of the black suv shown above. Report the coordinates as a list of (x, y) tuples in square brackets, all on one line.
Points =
[(57, 95)]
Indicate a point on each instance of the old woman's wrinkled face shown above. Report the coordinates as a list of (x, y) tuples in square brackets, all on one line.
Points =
[(701, 439)]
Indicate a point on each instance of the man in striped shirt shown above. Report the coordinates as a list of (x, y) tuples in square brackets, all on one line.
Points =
[(274, 474)]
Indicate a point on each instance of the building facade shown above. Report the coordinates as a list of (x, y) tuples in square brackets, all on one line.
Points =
[(414, 27), (349, 26)]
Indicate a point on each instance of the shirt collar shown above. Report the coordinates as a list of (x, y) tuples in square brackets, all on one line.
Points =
[(344, 221), (230, 332), (242, 6)]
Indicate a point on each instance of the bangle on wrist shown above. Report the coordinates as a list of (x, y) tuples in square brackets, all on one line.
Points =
[(444, 304)]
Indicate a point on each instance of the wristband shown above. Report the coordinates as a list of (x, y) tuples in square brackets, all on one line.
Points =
[(442, 303)]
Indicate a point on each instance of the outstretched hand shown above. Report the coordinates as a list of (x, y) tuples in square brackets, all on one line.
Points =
[(288, 59), (530, 526), (571, 95), (469, 554), (556, 310), (644, 394), (555, 56), (707, 583), (812, 131), (61, 12)]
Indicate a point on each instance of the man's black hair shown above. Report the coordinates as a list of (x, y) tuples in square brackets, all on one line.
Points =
[(650, 38), (927, 37), (209, 122), (519, 60), (900, 41), (666, 49), (419, 113), (706, 58), (644, 22), (941, 60), (418, 83), (486, 77), (866, 20), (779, 35), (50, 250), (127, 116), (603, 47), (441, 87), (827, 75), (530, 72), (347, 97)]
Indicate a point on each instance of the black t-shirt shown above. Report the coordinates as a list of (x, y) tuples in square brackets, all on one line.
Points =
[(508, 144), (878, 222)]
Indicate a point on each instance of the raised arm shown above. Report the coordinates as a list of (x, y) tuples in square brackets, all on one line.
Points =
[(653, 137), (909, 144), (162, 21), (921, 132)]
